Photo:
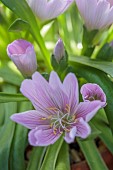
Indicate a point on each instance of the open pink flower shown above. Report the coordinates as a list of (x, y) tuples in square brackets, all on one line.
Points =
[(97, 14), (49, 9), (91, 92), (58, 110), (22, 53)]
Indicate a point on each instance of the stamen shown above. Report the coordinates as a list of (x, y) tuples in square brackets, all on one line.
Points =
[(55, 124), (67, 108), (43, 118), (60, 130), (54, 132), (51, 125), (49, 117), (52, 108), (67, 130), (73, 117)]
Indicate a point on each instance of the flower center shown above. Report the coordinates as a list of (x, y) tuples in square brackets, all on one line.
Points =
[(61, 122), (92, 98)]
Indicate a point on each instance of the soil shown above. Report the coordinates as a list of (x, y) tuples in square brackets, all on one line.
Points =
[(78, 161)]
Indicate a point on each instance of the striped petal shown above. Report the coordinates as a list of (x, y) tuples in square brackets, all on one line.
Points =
[(46, 10), (42, 137)]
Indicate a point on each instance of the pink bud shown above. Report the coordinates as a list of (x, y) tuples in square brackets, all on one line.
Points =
[(59, 50), (22, 53)]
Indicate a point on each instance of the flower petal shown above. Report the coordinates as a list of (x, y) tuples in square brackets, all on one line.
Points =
[(83, 129), (87, 10), (70, 86), (54, 80), (42, 137), (46, 10), (101, 13), (22, 53), (91, 92), (70, 136), (56, 8), (87, 110), (96, 13), (29, 90), (30, 119), (39, 7), (51, 98)]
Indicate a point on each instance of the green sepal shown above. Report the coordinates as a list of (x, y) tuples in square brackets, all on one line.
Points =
[(60, 66)]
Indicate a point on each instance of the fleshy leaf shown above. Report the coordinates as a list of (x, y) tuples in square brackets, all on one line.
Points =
[(101, 65), (7, 97), (19, 25)]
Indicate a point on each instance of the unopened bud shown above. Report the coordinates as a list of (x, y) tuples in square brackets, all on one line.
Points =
[(59, 50), (22, 53), (59, 58)]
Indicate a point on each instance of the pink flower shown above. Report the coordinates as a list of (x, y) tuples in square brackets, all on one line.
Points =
[(97, 14), (92, 92), (58, 110), (22, 53), (49, 9)]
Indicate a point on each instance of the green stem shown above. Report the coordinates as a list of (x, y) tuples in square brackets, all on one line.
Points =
[(51, 155), (63, 162), (98, 48)]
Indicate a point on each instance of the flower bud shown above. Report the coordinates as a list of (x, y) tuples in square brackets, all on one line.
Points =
[(59, 58), (22, 53), (59, 50)]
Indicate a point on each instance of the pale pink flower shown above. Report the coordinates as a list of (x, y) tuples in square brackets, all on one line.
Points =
[(92, 92), (22, 53), (97, 14), (58, 111), (49, 9)]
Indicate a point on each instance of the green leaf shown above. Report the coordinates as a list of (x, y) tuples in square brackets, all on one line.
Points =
[(20, 8), (63, 162), (19, 25), (2, 114), (10, 76), (92, 155), (51, 155), (36, 158), (19, 143), (7, 97), (101, 122), (7, 131), (106, 67), (105, 53)]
